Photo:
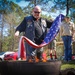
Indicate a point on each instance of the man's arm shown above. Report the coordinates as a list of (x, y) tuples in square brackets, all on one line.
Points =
[(49, 23), (20, 28), (73, 33)]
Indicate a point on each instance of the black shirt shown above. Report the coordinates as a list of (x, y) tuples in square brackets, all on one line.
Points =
[(39, 33)]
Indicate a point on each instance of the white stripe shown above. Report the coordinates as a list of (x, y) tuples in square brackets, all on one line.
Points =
[(19, 50)]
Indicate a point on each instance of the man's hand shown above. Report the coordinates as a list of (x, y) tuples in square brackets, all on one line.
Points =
[(73, 39), (17, 33)]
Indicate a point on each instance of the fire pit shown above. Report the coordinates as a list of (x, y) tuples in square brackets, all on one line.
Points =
[(26, 68)]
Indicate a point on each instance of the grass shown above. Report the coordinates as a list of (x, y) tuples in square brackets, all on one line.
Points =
[(66, 65)]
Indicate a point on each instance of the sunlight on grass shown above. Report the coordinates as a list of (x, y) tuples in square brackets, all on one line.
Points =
[(66, 66)]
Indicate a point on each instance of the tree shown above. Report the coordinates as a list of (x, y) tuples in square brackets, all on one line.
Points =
[(12, 15), (1, 31), (68, 5)]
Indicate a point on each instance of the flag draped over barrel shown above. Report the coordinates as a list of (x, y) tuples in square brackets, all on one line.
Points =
[(54, 29)]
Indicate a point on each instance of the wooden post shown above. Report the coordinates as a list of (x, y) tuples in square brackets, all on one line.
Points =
[(73, 51)]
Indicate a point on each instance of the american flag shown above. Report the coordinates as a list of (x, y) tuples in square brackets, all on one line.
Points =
[(53, 31)]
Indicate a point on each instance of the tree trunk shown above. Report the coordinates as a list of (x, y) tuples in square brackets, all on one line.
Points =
[(1, 37), (67, 8)]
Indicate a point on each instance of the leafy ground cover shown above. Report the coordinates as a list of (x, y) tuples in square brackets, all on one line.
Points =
[(66, 65)]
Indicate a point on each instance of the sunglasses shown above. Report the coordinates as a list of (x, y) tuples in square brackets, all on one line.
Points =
[(37, 12)]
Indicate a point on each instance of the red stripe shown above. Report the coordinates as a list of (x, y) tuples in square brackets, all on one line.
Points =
[(22, 46)]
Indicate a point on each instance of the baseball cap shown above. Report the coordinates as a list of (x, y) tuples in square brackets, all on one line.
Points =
[(68, 16)]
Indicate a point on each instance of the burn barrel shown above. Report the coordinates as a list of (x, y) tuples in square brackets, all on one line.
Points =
[(27, 68)]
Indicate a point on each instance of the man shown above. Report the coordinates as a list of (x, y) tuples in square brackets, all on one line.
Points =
[(52, 49), (52, 46), (67, 33), (35, 29)]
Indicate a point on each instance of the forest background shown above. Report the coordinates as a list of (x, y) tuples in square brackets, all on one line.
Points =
[(11, 15)]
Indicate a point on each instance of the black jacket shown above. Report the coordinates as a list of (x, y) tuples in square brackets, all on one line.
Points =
[(33, 29)]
